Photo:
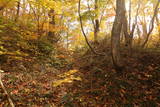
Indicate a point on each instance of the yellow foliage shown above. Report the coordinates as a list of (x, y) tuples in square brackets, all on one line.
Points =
[(1, 47), (7, 3), (16, 58), (67, 77), (1, 52), (70, 72), (15, 53), (57, 5), (61, 56), (66, 80), (31, 36)]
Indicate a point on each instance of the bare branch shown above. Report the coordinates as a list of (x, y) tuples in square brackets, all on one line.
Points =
[(82, 29), (151, 23), (136, 17)]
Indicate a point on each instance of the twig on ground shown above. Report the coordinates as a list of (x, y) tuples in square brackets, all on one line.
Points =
[(5, 91)]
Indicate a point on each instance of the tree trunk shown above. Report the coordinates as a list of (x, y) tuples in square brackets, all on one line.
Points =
[(82, 29), (18, 9), (158, 25), (51, 34), (139, 36), (96, 29), (129, 32), (116, 32)]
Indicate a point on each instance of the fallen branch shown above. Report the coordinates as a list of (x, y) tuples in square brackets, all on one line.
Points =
[(5, 91)]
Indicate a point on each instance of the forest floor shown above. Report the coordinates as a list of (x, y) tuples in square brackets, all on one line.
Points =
[(91, 82)]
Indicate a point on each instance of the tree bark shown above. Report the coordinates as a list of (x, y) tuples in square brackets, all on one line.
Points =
[(18, 9), (158, 25), (51, 34), (130, 15), (115, 36), (96, 21), (96, 29)]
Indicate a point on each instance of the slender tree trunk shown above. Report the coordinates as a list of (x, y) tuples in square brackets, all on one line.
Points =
[(96, 29), (116, 32), (51, 34), (82, 29), (139, 36), (158, 33), (128, 30), (130, 15), (96, 21), (18, 9), (158, 25), (144, 29)]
